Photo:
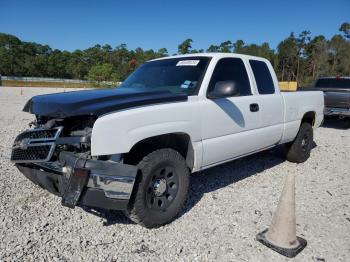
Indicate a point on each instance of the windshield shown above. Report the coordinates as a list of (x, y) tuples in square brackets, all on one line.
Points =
[(177, 75), (333, 83)]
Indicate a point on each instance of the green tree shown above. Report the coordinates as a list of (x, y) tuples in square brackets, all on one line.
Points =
[(238, 46), (302, 41), (162, 52), (78, 65), (345, 28), (11, 55), (339, 56), (102, 72), (287, 57), (213, 49), (185, 46), (226, 47), (316, 52)]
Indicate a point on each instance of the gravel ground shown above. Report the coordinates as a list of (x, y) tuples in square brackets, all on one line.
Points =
[(228, 205)]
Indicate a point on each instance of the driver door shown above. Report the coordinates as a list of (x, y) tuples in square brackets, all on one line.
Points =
[(229, 124)]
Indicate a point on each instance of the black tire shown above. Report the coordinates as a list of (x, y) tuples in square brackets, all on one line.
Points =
[(347, 122), (161, 189), (299, 150)]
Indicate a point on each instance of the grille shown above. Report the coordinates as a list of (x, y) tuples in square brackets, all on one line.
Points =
[(36, 145), (36, 153), (42, 134)]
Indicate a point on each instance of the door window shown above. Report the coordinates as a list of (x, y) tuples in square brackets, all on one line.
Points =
[(231, 69)]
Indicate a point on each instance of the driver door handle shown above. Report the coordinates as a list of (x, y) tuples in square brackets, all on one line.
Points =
[(254, 107)]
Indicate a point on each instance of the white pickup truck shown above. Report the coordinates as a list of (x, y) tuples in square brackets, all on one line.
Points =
[(133, 148)]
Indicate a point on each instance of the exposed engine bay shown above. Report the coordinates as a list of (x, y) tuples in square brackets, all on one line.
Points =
[(46, 138), (76, 132)]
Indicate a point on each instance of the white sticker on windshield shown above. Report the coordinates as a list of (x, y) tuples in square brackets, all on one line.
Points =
[(186, 84), (188, 63)]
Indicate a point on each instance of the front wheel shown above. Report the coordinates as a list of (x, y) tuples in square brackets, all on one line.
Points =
[(299, 150), (160, 190)]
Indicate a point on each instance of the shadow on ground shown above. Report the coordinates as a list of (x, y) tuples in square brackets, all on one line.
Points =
[(228, 174), (207, 181), (110, 217)]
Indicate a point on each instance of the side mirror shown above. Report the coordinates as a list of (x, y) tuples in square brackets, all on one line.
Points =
[(224, 89)]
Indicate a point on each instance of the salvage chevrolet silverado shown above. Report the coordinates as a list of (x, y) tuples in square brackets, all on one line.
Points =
[(133, 148)]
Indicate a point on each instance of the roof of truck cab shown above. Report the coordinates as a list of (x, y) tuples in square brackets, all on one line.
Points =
[(214, 55)]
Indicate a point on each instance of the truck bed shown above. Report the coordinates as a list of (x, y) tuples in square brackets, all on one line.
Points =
[(295, 104)]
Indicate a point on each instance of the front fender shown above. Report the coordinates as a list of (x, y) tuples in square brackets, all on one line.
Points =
[(118, 132)]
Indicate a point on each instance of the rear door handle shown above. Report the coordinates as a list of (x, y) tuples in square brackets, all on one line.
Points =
[(254, 107)]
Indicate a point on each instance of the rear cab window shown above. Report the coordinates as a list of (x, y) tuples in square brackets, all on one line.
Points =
[(262, 77)]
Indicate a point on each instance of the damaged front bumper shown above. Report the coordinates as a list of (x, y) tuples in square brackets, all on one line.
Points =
[(87, 182), (75, 177)]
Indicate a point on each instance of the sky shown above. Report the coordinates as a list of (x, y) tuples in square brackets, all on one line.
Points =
[(71, 25)]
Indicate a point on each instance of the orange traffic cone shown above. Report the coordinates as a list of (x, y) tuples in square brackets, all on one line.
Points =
[(281, 236)]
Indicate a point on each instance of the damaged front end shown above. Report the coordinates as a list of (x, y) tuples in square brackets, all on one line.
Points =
[(55, 154)]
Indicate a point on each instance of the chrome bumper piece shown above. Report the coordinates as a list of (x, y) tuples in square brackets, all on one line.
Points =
[(116, 187), (337, 111), (116, 180)]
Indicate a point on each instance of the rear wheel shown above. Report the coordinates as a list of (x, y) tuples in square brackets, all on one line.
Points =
[(299, 150), (160, 190)]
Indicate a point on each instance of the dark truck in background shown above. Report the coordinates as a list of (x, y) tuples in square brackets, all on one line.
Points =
[(337, 96)]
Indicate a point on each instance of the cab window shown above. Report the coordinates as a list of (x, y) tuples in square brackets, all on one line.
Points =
[(231, 69), (262, 77)]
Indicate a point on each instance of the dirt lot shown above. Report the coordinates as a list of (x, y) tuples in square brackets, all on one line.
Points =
[(228, 205)]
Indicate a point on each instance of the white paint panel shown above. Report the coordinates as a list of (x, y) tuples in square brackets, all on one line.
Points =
[(231, 146), (222, 121), (296, 104), (271, 110), (117, 132), (290, 130)]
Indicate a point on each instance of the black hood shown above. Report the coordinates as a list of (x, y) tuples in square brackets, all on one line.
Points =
[(96, 102)]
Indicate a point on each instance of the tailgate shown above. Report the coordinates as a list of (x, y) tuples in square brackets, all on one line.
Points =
[(337, 99)]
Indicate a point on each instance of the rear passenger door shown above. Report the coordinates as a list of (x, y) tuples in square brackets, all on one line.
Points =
[(229, 125), (270, 104)]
